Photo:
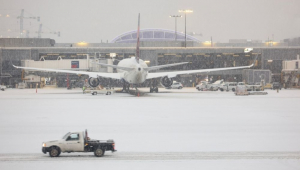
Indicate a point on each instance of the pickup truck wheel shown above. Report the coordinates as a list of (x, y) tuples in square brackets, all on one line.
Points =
[(99, 152), (54, 152)]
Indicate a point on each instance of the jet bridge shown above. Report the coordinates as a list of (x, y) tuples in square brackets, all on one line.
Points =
[(70, 64), (64, 79)]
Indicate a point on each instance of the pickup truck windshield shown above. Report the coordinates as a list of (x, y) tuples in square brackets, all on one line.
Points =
[(66, 135)]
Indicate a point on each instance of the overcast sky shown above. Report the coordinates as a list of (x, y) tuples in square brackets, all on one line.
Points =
[(96, 20)]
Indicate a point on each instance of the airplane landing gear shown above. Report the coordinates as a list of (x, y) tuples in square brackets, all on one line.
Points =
[(154, 89), (153, 86), (125, 87)]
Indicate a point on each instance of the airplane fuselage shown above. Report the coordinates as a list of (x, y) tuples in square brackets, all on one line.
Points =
[(137, 75)]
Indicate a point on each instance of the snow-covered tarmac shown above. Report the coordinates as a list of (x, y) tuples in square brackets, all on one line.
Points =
[(178, 129)]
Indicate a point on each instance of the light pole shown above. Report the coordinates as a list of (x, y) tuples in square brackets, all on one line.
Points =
[(175, 16), (185, 11)]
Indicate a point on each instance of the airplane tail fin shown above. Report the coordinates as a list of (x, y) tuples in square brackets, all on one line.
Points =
[(137, 53)]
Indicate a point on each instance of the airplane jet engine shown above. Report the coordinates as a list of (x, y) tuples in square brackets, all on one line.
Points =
[(166, 82), (94, 82)]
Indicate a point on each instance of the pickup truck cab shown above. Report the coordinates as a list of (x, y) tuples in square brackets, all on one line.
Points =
[(77, 142)]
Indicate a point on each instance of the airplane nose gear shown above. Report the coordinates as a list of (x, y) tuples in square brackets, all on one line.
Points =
[(125, 87)]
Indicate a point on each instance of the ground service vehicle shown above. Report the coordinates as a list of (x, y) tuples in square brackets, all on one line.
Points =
[(228, 86), (241, 89), (203, 86), (250, 87), (216, 85), (78, 142), (276, 85), (175, 85), (2, 87)]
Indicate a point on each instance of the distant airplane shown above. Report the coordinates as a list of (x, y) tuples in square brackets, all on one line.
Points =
[(135, 71)]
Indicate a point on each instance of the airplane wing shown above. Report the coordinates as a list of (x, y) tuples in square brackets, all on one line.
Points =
[(164, 66), (175, 73), (91, 74)]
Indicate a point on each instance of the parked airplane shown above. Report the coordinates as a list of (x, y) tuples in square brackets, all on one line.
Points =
[(135, 71)]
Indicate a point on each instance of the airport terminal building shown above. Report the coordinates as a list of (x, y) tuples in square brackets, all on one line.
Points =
[(158, 47)]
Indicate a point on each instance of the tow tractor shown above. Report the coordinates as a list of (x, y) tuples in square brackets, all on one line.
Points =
[(78, 142)]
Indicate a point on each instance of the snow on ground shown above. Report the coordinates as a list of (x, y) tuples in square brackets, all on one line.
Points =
[(171, 121)]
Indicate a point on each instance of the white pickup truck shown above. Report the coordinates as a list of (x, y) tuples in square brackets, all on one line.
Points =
[(78, 142)]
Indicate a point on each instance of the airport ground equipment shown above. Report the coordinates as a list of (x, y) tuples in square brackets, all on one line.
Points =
[(78, 142), (251, 87), (290, 75), (216, 85), (267, 86), (276, 85), (103, 91), (206, 86), (241, 89), (32, 80), (2, 88), (228, 86), (258, 93), (202, 86), (253, 76), (175, 85), (21, 85), (98, 90), (231, 86)]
